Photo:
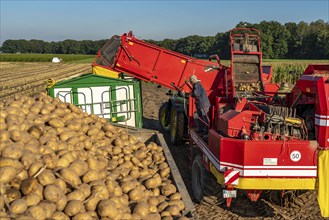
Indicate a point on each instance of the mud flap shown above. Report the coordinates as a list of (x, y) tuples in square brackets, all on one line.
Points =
[(323, 188)]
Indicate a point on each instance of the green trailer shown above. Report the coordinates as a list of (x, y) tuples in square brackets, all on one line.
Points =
[(116, 100)]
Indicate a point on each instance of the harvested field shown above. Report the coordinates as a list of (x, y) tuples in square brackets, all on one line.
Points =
[(29, 78)]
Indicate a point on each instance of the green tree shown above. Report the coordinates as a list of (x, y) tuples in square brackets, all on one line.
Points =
[(168, 44), (274, 39)]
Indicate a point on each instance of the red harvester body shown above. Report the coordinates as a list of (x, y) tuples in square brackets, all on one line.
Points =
[(254, 143)]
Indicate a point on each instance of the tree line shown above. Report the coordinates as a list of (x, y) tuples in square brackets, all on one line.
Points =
[(278, 41)]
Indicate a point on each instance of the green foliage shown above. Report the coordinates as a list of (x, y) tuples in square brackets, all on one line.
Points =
[(45, 58), (278, 41), (289, 70), (61, 47)]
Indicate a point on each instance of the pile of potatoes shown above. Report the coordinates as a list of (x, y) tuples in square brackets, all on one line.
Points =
[(58, 162)]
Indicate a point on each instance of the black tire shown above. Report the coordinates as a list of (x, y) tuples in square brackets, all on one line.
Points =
[(177, 123), (203, 182), (164, 116)]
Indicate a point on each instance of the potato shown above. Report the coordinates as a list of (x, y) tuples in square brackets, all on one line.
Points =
[(7, 174), (128, 185), (117, 150), (132, 139), (153, 201), (39, 190), (51, 160), (29, 185), (61, 203), (92, 131), (82, 216), (166, 214), (32, 199), (22, 175), (52, 192), (136, 194), (12, 194), (107, 208), (32, 146), (18, 206), (92, 202), (4, 134), (109, 127), (168, 190), (79, 167), (134, 173), (36, 131), (117, 191), (93, 175), (64, 136), (163, 165), (86, 189), (63, 162), (16, 135), (153, 182), (49, 207), (90, 157), (61, 184), (155, 192), (179, 203), (174, 210), (76, 195), (27, 159), (35, 167), (118, 142), (75, 109), (165, 172), (70, 176), (12, 109), (37, 212), (45, 150), (175, 196), (92, 163), (102, 191), (74, 125), (46, 177), (15, 183), (74, 207), (56, 122), (142, 209), (162, 206), (60, 216)]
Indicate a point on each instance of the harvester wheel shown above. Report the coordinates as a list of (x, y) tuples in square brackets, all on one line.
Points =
[(164, 116), (177, 122), (203, 183)]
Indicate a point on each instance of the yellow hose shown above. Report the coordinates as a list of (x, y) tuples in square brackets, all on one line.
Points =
[(50, 82)]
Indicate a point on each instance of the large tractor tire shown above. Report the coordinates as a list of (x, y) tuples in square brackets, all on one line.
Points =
[(164, 116), (177, 123), (203, 183)]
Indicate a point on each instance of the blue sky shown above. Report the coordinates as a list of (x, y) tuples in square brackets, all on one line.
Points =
[(95, 20)]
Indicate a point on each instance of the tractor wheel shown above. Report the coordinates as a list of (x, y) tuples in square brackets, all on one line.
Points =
[(203, 183), (177, 123), (164, 117)]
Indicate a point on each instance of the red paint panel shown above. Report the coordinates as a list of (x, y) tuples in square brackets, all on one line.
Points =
[(252, 153), (156, 64)]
